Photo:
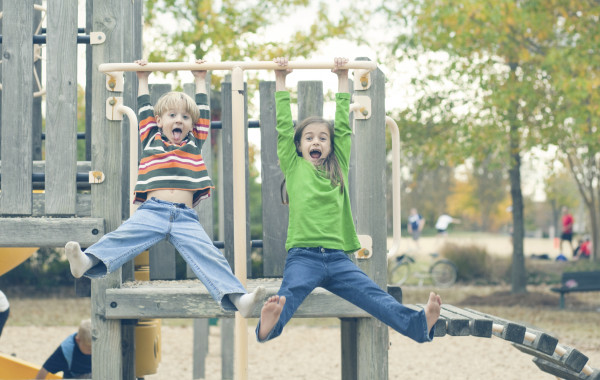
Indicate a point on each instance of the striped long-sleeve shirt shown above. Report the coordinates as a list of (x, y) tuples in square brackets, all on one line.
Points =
[(169, 166)]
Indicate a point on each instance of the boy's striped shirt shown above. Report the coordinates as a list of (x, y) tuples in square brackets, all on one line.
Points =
[(169, 166)]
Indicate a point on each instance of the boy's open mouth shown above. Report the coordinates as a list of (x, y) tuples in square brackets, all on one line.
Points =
[(177, 133), (315, 153)]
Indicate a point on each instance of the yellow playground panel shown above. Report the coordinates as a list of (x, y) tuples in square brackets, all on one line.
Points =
[(17, 369), (10, 257)]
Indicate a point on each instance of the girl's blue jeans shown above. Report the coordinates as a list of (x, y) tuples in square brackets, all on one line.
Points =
[(307, 268), (154, 221)]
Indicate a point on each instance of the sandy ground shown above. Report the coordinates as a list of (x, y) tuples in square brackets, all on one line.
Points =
[(304, 352), (313, 352)]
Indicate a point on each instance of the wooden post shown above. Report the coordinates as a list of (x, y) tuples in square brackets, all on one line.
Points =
[(17, 69), (275, 213), (36, 126), (310, 99), (107, 360), (370, 215), (61, 101)]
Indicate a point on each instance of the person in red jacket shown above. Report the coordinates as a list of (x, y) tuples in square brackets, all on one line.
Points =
[(567, 228)]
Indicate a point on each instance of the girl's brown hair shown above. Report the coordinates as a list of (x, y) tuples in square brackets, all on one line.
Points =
[(330, 165)]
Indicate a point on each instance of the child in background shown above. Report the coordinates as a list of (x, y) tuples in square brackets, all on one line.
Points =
[(321, 232), (73, 356), (172, 178), (4, 310)]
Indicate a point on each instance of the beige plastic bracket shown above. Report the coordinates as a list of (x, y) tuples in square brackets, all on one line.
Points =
[(114, 81), (366, 242), (361, 106), (96, 176), (112, 105), (97, 38), (362, 80)]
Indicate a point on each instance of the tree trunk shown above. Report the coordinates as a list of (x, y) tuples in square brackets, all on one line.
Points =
[(518, 272)]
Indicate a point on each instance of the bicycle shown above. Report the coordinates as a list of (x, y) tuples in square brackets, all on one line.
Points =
[(443, 272)]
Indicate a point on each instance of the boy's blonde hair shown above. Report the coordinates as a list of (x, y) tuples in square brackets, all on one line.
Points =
[(85, 332), (175, 99)]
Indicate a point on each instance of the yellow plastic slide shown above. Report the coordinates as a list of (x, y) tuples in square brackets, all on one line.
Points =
[(17, 369), (10, 257)]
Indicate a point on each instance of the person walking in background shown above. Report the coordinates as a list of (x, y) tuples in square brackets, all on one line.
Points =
[(4, 310), (567, 228), (415, 225), (441, 225)]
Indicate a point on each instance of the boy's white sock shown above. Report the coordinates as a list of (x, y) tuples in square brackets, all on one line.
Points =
[(79, 261), (245, 303)]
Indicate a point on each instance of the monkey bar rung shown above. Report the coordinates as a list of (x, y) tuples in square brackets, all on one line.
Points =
[(230, 65)]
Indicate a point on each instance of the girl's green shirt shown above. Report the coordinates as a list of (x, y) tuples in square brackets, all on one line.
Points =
[(320, 216)]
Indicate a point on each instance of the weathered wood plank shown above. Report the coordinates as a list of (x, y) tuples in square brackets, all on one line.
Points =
[(190, 299), (61, 116), (49, 232), (370, 219), (310, 99), (227, 348), (83, 205), (275, 214), (564, 373), (107, 360), (201, 327), (17, 135), (36, 119), (513, 332), (479, 326), (226, 191), (572, 360)]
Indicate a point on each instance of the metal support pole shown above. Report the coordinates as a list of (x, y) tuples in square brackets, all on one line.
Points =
[(239, 215)]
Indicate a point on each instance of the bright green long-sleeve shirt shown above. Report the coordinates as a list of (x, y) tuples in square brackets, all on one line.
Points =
[(320, 216)]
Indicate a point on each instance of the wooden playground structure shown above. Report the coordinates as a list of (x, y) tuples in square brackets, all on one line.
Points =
[(83, 200)]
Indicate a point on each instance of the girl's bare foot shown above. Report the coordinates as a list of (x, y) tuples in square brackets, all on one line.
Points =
[(269, 315), (432, 310)]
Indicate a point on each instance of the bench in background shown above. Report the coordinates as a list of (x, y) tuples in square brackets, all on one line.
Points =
[(577, 282)]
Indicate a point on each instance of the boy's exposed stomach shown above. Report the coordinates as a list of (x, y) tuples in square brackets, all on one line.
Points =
[(173, 195)]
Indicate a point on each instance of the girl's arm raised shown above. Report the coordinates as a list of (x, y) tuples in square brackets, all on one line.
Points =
[(341, 73), (281, 74)]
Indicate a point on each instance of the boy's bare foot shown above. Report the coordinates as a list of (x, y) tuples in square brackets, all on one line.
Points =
[(78, 260), (269, 315), (432, 310)]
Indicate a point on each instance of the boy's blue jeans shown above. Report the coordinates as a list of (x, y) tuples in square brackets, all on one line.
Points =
[(307, 268), (154, 221)]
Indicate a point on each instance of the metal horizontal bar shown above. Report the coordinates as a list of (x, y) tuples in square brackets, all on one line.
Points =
[(229, 65), (253, 243), (41, 39)]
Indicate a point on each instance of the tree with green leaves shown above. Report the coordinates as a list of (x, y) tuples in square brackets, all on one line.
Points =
[(573, 65), (489, 91), (232, 30)]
